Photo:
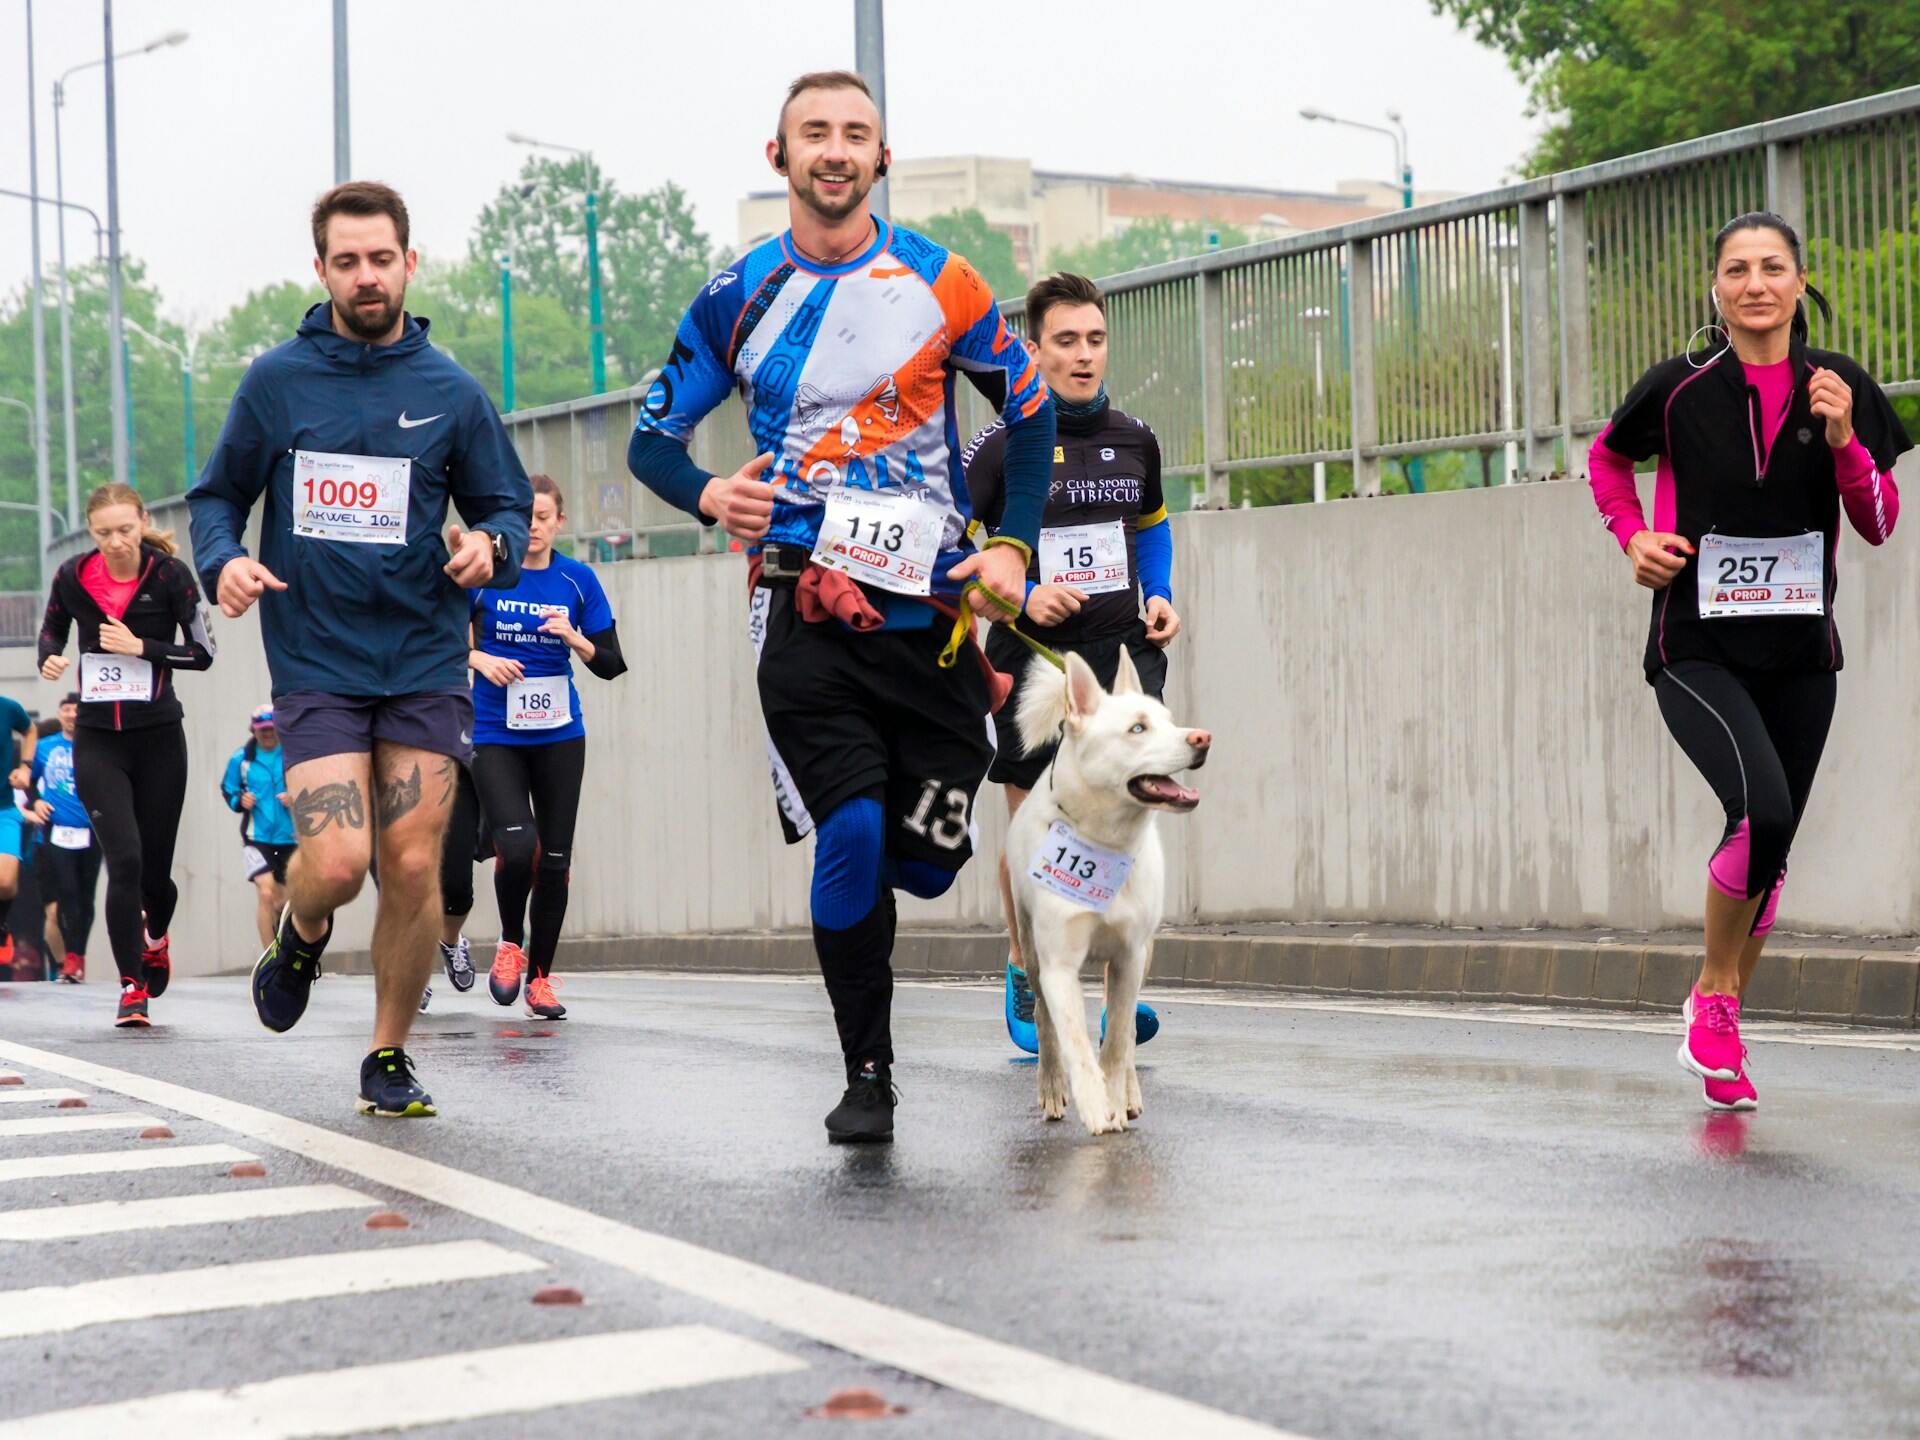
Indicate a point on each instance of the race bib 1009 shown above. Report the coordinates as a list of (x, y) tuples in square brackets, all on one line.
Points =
[(106, 678), (1785, 575), (881, 539), (361, 499), (1091, 558), (541, 703), (1076, 869)]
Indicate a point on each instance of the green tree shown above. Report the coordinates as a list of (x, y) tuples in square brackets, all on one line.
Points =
[(552, 349), (989, 251), (1620, 76), (1144, 243), (653, 257)]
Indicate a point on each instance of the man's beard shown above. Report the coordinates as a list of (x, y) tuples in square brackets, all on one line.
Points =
[(374, 326), (827, 209)]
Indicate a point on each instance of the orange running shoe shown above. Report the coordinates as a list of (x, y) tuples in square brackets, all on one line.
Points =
[(503, 982), (541, 1003), (74, 971)]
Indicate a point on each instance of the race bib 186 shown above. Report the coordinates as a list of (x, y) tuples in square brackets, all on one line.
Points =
[(1091, 558), (71, 837), (1785, 575), (540, 703), (885, 540), (361, 499), (115, 677), (1078, 870)]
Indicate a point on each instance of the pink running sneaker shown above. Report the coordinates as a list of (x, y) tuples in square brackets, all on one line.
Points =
[(1712, 1049), (1732, 1094)]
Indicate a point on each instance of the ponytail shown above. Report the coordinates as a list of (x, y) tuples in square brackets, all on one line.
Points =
[(1800, 313), (116, 493)]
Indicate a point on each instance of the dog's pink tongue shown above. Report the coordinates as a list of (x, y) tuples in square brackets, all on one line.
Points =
[(1163, 787)]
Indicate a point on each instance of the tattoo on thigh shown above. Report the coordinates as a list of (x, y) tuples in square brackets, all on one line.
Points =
[(396, 797), (449, 775), (338, 804)]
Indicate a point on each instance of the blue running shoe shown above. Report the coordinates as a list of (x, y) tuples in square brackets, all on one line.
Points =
[(283, 976), (1020, 1027), (1146, 1023), (388, 1087)]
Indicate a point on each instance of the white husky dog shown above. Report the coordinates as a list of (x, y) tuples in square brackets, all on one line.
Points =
[(1087, 871)]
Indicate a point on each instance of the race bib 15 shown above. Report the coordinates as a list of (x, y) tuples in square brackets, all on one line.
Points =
[(1091, 558)]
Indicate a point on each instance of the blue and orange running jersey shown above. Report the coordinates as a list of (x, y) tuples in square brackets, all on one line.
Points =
[(847, 373)]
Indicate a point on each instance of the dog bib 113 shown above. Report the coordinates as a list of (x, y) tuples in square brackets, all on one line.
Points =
[(883, 539), (361, 499), (1782, 576), (1076, 869)]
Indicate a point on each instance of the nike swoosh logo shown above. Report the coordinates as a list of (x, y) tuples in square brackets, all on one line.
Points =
[(406, 424)]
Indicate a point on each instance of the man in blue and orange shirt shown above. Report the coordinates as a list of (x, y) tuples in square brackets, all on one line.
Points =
[(844, 337)]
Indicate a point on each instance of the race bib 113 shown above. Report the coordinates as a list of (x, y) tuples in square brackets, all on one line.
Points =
[(1076, 869)]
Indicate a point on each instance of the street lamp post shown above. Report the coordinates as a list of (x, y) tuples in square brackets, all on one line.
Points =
[(506, 333), (171, 38), (186, 390), (1416, 470), (42, 495), (594, 312)]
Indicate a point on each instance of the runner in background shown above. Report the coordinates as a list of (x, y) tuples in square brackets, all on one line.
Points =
[(140, 620), (530, 742), (255, 789), (1762, 442), (69, 858), (18, 724), (1106, 552)]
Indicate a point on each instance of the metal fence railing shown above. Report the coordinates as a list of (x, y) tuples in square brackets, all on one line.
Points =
[(1506, 322)]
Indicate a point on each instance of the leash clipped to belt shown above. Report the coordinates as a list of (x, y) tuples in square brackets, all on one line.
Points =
[(963, 627)]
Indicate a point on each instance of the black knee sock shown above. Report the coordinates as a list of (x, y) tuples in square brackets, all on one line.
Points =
[(857, 965), (548, 912), (6, 909)]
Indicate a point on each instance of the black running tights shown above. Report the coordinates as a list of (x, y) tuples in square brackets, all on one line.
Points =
[(73, 876), (530, 795), (133, 783)]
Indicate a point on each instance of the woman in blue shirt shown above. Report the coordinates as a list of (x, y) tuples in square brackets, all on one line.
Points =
[(530, 747), (255, 788)]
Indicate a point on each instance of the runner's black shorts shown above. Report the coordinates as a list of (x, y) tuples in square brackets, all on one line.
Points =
[(260, 856), (874, 714), (314, 724), (1013, 766)]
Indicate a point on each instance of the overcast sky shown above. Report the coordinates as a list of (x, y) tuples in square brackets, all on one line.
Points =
[(224, 141)]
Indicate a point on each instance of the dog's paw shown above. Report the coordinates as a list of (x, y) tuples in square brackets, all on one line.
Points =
[(1101, 1120), (1053, 1097), (1133, 1094)]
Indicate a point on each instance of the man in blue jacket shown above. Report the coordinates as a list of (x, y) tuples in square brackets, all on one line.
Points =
[(255, 788), (358, 432)]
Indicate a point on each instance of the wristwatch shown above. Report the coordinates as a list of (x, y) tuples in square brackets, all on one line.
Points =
[(499, 549)]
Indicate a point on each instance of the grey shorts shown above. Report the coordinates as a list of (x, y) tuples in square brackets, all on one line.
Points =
[(314, 725)]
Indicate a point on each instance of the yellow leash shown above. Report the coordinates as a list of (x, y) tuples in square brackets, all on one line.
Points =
[(963, 627)]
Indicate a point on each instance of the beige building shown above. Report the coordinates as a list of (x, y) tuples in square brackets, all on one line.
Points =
[(1045, 211)]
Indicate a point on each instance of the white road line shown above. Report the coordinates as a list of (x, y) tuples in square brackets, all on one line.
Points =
[(62, 1124), (37, 1097), (438, 1391), (112, 1162), (55, 1309), (1082, 1401), (108, 1217)]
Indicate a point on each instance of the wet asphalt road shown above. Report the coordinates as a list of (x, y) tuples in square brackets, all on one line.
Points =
[(1344, 1219)]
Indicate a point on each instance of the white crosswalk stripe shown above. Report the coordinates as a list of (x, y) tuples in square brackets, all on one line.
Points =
[(37, 1097), (62, 1124), (113, 1162), (434, 1391), (65, 1222), (53, 1309)]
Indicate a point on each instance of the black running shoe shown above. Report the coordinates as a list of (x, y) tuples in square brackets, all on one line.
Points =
[(459, 962), (133, 1006), (388, 1087), (156, 965), (864, 1115), (283, 976)]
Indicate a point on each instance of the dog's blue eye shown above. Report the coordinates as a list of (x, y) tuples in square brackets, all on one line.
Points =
[(1139, 728)]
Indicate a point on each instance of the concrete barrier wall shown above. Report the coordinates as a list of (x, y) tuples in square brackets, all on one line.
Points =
[(1427, 709)]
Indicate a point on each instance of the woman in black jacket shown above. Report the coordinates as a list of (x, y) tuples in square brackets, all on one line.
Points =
[(132, 597)]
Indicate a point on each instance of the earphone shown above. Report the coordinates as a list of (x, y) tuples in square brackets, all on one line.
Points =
[(780, 157), (1713, 299)]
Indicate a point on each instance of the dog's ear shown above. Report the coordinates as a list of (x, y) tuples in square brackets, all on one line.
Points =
[(1083, 691), (1126, 680)]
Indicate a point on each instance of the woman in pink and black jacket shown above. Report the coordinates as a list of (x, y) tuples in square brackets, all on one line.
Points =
[(140, 619), (1762, 442)]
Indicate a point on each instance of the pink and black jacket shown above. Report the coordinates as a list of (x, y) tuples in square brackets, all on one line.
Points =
[(165, 604), (1742, 453)]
